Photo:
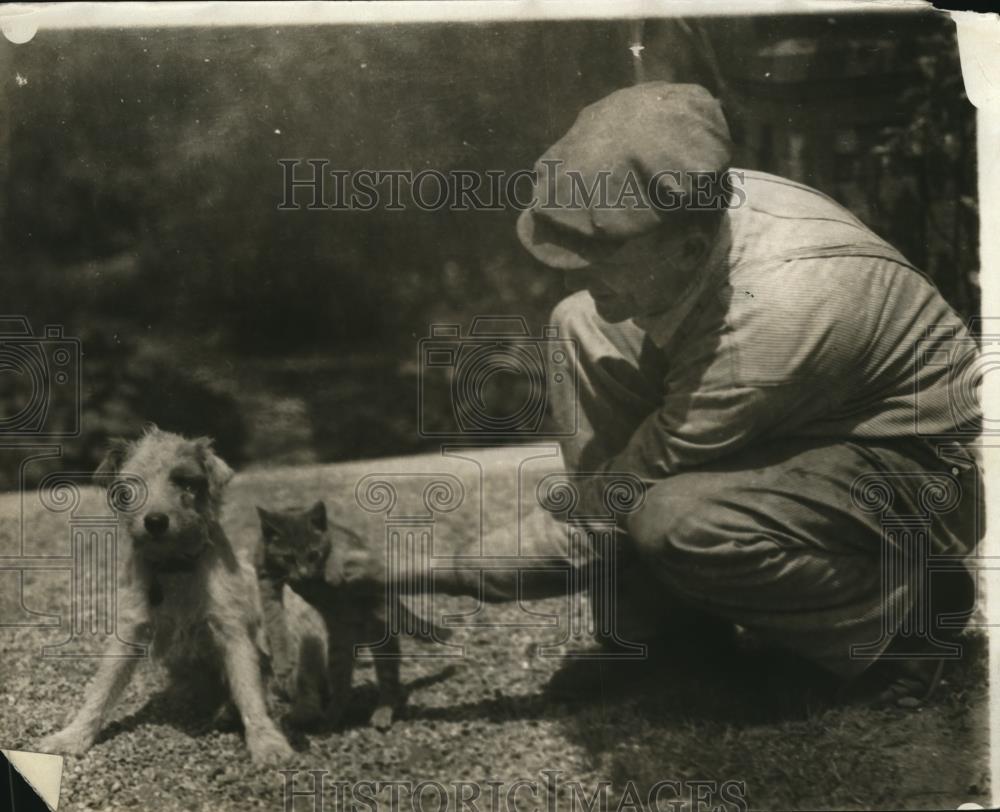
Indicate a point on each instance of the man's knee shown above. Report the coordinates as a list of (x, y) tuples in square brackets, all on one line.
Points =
[(675, 523)]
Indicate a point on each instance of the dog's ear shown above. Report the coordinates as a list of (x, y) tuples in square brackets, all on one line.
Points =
[(114, 458), (216, 469), (317, 515)]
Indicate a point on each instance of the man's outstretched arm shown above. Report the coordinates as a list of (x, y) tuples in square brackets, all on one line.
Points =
[(481, 569)]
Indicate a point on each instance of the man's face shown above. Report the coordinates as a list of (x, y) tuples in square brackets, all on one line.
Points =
[(644, 277)]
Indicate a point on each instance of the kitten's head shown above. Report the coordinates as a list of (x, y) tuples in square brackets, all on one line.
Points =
[(295, 544)]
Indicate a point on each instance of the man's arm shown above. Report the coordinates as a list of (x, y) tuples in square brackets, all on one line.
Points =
[(473, 568), (781, 354), (694, 428)]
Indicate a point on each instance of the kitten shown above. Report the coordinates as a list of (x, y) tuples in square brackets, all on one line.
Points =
[(295, 549)]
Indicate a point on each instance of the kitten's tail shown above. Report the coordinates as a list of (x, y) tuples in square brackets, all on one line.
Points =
[(420, 628)]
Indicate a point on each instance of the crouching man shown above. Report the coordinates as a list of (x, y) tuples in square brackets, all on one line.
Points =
[(791, 392)]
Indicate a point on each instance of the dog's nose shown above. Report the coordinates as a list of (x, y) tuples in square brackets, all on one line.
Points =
[(156, 523)]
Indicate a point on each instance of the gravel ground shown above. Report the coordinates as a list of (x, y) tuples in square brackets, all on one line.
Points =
[(764, 721)]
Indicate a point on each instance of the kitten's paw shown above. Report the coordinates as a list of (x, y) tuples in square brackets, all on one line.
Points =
[(67, 742), (269, 747), (382, 718)]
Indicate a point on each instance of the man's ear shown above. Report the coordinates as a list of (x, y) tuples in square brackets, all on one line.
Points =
[(114, 458), (695, 248), (317, 515)]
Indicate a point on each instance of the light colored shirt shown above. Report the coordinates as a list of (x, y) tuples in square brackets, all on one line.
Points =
[(811, 325)]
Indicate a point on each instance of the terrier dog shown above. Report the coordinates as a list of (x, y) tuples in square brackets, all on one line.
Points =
[(183, 592)]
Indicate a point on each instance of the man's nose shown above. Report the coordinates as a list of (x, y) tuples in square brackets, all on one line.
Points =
[(156, 523)]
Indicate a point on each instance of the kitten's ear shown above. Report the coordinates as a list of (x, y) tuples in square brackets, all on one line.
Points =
[(317, 515), (267, 523)]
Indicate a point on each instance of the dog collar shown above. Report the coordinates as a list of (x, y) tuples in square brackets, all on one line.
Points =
[(177, 565), (171, 566)]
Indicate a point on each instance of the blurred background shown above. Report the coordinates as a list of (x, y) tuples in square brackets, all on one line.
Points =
[(139, 184)]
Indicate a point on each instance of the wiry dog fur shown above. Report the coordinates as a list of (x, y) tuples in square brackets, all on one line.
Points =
[(183, 591)]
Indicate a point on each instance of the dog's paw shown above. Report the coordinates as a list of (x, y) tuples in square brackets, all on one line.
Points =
[(66, 742), (269, 747), (382, 718)]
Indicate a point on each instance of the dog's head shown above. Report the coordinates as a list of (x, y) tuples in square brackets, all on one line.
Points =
[(182, 484)]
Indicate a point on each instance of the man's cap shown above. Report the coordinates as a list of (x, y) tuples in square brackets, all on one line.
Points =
[(646, 146)]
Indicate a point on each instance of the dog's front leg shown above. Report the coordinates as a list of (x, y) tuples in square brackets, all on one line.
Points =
[(102, 693), (266, 743)]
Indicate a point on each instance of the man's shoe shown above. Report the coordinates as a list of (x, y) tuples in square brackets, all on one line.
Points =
[(911, 683)]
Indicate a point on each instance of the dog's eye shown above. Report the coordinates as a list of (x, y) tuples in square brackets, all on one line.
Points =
[(193, 485)]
